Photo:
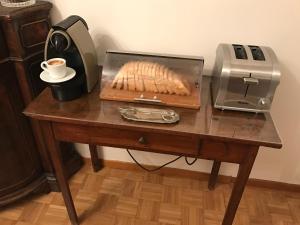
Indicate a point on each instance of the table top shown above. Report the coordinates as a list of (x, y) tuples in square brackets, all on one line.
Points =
[(208, 122)]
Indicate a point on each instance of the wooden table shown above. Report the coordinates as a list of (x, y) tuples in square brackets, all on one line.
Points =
[(222, 136)]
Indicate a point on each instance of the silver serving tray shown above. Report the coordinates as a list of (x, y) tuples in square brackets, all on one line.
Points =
[(149, 115)]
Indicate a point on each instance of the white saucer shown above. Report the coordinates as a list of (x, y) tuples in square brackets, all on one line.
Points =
[(69, 75)]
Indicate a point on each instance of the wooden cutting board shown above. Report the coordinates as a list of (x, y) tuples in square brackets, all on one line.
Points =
[(192, 101)]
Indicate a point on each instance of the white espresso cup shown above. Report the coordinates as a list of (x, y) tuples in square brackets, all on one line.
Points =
[(55, 67)]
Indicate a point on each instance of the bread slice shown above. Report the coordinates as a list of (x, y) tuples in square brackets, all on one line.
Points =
[(152, 77), (159, 82)]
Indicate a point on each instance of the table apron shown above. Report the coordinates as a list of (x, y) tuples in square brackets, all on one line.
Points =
[(174, 144)]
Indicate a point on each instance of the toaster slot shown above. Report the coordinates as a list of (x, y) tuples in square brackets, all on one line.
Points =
[(257, 53), (240, 52)]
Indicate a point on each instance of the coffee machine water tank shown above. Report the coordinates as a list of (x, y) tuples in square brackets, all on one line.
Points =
[(70, 39)]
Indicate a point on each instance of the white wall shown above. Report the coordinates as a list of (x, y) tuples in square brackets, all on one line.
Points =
[(195, 27)]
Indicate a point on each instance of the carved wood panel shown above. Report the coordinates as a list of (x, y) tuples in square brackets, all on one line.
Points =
[(33, 74), (34, 34), (19, 162), (3, 51), (23, 33)]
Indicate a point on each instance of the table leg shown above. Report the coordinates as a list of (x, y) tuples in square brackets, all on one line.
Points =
[(214, 175), (242, 177), (55, 153), (96, 162)]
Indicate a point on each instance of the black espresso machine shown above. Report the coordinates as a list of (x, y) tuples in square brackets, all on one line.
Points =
[(70, 39)]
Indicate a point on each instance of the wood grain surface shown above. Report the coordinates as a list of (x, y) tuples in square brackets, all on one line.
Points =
[(122, 197), (206, 133), (191, 102), (229, 126), (23, 32), (21, 168)]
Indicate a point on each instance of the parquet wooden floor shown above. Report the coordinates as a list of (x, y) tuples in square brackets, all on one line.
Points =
[(121, 197)]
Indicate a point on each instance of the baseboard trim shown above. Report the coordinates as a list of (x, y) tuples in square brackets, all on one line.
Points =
[(167, 171)]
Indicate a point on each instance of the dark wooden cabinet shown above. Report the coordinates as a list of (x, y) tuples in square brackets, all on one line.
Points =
[(21, 169), (25, 166)]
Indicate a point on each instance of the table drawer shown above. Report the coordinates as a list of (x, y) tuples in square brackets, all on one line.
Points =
[(116, 137)]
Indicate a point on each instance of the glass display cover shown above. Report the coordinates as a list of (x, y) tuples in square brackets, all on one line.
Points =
[(155, 79)]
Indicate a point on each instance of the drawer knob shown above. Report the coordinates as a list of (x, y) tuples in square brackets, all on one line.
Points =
[(142, 140)]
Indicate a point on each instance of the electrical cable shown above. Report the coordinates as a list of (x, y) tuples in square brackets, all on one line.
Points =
[(190, 163), (158, 168), (196, 158), (155, 169)]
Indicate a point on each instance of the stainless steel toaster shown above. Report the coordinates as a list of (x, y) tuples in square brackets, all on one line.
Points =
[(245, 77)]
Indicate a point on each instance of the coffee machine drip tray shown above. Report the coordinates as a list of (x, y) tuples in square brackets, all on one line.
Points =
[(152, 78)]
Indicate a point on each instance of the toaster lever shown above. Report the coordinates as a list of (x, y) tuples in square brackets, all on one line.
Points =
[(250, 80)]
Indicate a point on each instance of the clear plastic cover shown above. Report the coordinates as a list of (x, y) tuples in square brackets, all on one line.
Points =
[(157, 79)]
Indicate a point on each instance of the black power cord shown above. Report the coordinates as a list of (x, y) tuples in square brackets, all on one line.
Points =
[(190, 163), (158, 168), (152, 170)]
